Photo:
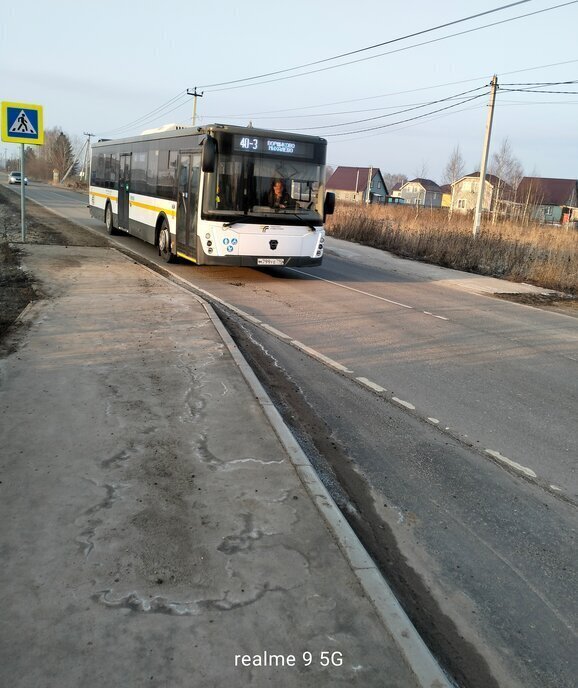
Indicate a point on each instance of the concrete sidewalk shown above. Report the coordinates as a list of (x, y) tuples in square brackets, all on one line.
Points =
[(154, 529)]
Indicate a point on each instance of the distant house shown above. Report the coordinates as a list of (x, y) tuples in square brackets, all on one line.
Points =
[(396, 190), (421, 192), (465, 193), (549, 200), (353, 184), (446, 195)]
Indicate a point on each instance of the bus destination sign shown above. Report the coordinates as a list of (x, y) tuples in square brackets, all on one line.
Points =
[(272, 146)]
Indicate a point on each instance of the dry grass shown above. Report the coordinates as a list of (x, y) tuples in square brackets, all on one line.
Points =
[(537, 254)]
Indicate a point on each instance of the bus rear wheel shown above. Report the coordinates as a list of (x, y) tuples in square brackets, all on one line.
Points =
[(109, 220), (165, 243)]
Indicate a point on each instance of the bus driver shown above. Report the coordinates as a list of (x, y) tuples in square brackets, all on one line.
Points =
[(278, 196)]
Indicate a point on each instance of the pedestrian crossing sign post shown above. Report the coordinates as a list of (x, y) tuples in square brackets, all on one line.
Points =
[(22, 123)]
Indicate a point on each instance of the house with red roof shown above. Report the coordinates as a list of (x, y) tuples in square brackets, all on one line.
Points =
[(358, 185), (549, 200)]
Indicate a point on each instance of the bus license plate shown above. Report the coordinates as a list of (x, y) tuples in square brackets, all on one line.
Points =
[(270, 261)]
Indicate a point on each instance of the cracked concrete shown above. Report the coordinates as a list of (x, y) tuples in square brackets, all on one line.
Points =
[(153, 527)]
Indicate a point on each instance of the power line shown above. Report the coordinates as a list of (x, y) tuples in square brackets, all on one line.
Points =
[(410, 119), (537, 84), (414, 124), (324, 114), (537, 102), (372, 57), (369, 47), (399, 112), (530, 90), (162, 111), (387, 95), (182, 96), (139, 120)]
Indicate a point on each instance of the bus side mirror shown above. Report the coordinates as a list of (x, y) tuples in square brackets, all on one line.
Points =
[(329, 205), (209, 154)]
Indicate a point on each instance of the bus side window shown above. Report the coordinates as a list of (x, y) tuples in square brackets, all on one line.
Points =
[(98, 169), (166, 173), (152, 172), (139, 172)]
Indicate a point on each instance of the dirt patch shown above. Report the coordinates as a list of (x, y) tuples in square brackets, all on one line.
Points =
[(17, 287), (561, 303)]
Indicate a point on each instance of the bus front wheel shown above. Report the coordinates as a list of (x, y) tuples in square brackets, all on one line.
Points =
[(165, 243), (109, 220)]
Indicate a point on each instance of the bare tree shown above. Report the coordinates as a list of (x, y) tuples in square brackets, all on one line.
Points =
[(505, 165), (55, 154), (454, 169), (61, 155), (508, 169), (421, 172), (391, 179)]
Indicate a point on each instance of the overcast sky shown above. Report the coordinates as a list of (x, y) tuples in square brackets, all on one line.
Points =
[(104, 67)]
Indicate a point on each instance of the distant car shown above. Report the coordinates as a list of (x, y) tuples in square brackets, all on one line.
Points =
[(16, 178)]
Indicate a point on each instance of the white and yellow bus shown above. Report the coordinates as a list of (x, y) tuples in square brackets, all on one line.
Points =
[(206, 194)]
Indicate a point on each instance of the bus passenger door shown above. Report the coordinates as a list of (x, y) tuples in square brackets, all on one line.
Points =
[(124, 190), (189, 172)]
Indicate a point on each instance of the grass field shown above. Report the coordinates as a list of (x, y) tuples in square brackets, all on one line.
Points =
[(538, 254)]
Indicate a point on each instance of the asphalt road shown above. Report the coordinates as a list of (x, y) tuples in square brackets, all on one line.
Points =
[(499, 375), (448, 419)]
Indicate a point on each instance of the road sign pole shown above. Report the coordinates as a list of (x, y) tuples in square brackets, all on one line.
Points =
[(22, 123), (22, 193)]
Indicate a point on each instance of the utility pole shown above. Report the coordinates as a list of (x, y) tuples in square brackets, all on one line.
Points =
[(86, 163), (368, 191), (478, 214), (195, 96)]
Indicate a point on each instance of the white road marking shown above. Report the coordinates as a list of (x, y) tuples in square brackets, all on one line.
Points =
[(359, 291), (370, 384), (439, 317), (518, 466), (321, 357), (401, 402), (435, 421)]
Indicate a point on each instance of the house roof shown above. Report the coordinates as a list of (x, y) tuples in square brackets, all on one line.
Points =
[(548, 191), (506, 191), (446, 188), (346, 178), (494, 181), (427, 184)]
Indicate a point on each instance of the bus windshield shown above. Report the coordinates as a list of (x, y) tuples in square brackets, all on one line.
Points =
[(264, 187)]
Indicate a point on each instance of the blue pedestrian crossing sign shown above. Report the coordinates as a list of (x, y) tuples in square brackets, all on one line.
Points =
[(22, 123)]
